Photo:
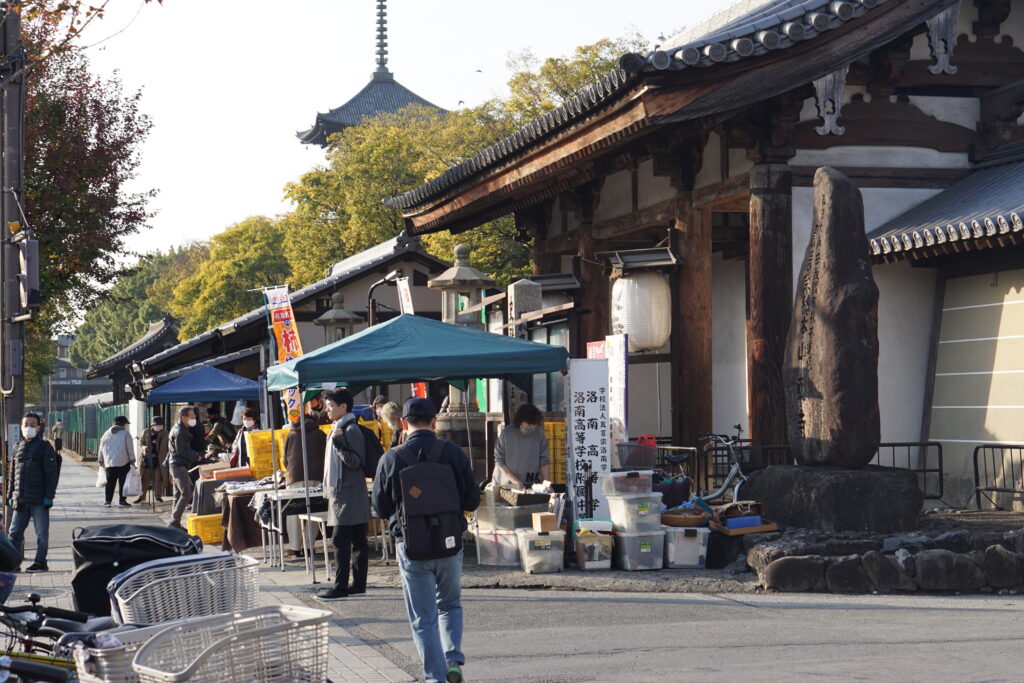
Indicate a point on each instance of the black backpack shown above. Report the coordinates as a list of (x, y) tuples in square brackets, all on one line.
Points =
[(431, 512), (373, 451)]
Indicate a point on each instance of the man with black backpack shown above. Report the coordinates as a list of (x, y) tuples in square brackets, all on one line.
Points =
[(352, 451), (424, 487)]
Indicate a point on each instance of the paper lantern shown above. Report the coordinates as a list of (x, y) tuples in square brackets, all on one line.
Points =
[(641, 308)]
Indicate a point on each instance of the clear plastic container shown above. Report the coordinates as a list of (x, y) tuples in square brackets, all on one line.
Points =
[(635, 512), (594, 551), (638, 551), (497, 548), (617, 483), (541, 552), (686, 547), (508, 518)]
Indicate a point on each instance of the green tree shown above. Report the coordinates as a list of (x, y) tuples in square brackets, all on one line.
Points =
[(246, 256), (315, 226)]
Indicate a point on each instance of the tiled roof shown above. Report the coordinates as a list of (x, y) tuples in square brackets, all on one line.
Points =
[(346, 269), (382, 95), (747, 28), (989, 203), (161, 332), (165, 377)]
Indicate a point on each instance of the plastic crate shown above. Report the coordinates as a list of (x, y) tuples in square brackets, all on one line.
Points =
[(282, 643), (555, 433), (206, 527)]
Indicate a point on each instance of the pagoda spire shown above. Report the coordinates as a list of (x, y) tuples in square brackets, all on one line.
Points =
[(382, 40)]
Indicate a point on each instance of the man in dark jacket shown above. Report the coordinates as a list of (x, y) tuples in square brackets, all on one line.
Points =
[(182, 457), (36, 471), (431, 587)]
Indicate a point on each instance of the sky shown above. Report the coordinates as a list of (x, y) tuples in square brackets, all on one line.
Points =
[(228, 83)]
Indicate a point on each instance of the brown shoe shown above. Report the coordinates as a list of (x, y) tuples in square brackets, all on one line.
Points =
[(140, 499)]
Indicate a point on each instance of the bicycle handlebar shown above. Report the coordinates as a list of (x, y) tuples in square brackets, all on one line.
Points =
[(34, 671), (55, 612)]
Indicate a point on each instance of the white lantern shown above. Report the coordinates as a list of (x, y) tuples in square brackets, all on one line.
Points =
[(642, 308)]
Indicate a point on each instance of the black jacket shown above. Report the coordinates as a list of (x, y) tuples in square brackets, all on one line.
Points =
[(180, 452), (36, 471), (387, 488)]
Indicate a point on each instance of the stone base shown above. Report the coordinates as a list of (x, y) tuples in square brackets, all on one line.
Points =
[(837, 499)]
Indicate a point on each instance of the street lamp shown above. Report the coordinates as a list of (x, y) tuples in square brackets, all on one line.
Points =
[(371, 303), (338, 322)]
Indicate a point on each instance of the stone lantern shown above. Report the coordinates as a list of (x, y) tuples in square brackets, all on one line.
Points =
[(460, 288), (462, 422), (338, 322)]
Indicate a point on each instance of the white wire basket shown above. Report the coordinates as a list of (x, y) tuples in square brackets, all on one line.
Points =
[(281, 643), (184, 587), (114, 664)]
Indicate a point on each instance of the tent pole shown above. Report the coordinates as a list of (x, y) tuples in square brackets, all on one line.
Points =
[(279, 550), (469, 434), (305, 477)]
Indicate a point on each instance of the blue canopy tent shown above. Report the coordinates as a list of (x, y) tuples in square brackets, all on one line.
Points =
[(205, 384), (410, 349)]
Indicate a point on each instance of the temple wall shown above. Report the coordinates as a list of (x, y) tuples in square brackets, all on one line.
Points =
[(728, 345)]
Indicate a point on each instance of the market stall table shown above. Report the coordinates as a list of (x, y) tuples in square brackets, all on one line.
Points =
[(241, 530), (203, 502)]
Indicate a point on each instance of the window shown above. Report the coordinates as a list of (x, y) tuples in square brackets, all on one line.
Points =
[(549, 390)]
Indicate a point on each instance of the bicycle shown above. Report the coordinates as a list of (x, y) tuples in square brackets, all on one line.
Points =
[(714, 441), (29, 672)]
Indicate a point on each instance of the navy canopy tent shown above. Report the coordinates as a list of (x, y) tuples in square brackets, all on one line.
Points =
[(411, 348), (205, 384)]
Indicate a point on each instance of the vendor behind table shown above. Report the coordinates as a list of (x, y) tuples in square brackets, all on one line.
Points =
[(521, 453)]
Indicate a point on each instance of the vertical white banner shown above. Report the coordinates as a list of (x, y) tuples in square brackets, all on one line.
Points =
[(617, 353), (404, 296), (588, 432)]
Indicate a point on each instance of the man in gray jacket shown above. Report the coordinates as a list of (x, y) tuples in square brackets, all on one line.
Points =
[(181, 458), (347, 498), (117, 457)]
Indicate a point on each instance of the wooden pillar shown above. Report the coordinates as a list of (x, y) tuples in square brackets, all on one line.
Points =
[(544, 262), (594, 298), (691, 327), (769, 298)]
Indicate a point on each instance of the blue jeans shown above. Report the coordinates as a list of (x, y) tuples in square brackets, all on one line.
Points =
[(40, 516), (432, 591)]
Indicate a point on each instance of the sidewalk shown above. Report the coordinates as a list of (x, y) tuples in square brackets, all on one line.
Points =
[(80, 504)]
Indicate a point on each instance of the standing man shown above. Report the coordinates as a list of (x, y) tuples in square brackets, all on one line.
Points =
[(57, 434), (348, 504), (152, 453), (431, 587), (36, 471), (117, 457), (182, 457)]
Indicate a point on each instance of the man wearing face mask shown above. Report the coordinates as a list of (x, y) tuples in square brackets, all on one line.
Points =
[(182, 457), (521, 453), (152, 453), (239, 450), (36, 471)]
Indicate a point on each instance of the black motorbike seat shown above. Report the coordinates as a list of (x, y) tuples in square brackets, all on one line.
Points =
[(93, 625)]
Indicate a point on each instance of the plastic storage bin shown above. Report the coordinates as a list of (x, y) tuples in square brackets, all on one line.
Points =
[(635, 512), (541, 552), (617, 483), (206, 527), (497, 548), (636, 551), (594, 552), (507, 517), (686, 547)]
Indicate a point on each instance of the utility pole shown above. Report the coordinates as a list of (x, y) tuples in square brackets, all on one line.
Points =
[(16, 244)]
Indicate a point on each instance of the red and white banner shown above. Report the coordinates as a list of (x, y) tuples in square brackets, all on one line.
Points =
[(286, 335)]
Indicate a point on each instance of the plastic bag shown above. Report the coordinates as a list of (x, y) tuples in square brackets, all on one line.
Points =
[(101, 477), (133, 484)]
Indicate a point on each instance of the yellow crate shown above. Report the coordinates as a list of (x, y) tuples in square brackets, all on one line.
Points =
[(555, 433), (206, 527), (258, 445)]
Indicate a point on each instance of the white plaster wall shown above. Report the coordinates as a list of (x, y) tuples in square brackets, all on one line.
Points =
[(555, 223), (885, 157), (652, 189), (963, 111), (738, 162), (649, 400), (616, 196), (906, 302), (728, 344), (711, 166), (968, 15), (1014, 25)]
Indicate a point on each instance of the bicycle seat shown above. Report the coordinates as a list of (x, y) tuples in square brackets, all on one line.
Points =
[(676, 459), (93, 625)]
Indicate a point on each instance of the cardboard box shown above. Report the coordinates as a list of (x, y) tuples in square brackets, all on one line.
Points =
[(544, 521), (206, 471)]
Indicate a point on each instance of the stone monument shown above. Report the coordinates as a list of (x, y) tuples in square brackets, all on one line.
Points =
[(830, 381)]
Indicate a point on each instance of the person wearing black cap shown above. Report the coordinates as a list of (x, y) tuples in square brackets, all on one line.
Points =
[(152, 453), (117, 457), (431, 587)]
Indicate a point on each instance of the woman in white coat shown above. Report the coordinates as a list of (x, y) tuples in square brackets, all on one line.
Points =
[(117, 457)]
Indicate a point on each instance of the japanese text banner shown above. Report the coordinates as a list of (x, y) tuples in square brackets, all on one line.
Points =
[(286, 335)]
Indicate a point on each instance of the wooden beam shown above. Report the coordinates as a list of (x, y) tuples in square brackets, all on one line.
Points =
[(736, 187), (593, 297), (691, 327), (661, 214), (769, 299), (538, 315)]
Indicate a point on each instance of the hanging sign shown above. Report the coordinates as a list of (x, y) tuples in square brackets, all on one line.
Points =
[(404, 296), (597, 349), (617, 353), (588, 435), (286, 335)]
